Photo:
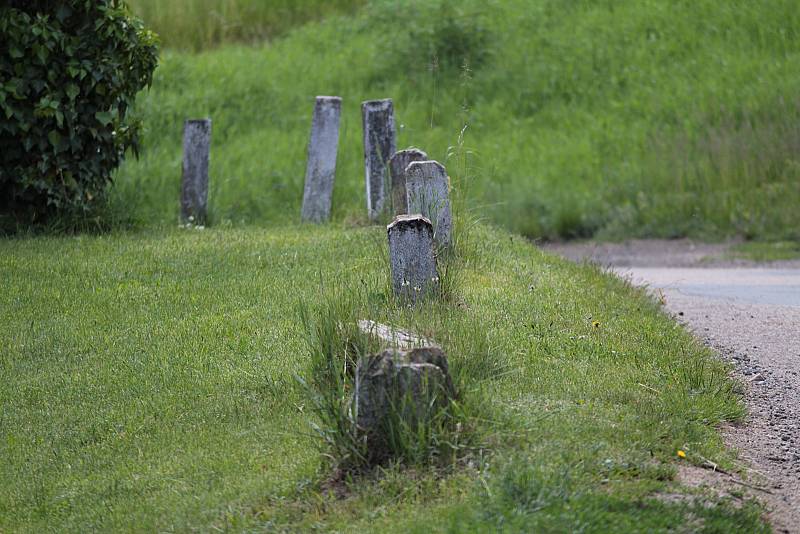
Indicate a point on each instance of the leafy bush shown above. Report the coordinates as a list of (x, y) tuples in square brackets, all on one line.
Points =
[(69, 72)]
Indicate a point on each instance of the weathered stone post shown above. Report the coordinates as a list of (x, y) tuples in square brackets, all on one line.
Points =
[(321, 165), (397, 168), (428, 193), (379, 145), (414, 385), (194, 188), (412, 257)]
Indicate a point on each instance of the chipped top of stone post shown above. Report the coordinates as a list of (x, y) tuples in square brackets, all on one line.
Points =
[(377, 103), (415, 219)]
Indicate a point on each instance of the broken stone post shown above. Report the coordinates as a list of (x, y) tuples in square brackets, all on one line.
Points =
[(194, 188), (410, 385), (394, 337), (428, 193), (411, 257), (379, 145), (321, 165), (397, 168)]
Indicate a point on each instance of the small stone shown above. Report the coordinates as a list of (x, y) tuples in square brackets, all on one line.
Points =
[(394, 337)]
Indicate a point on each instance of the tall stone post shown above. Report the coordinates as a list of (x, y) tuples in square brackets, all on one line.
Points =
[(321, 164), (194, 187), (412, 257), (379, 145), (397, 168), (428, 193)]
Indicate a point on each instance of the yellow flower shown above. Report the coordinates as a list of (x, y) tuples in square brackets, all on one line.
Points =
[(596, 324), (681, 454)]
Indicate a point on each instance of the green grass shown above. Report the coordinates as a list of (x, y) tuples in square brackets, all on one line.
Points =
[(585, 118), (149, 384), (765, 252), (150, 374), (198, 24)]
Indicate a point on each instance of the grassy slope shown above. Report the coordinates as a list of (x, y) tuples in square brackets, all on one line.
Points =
[(148, 385), (198, 24), (767, 252), (586, 117)]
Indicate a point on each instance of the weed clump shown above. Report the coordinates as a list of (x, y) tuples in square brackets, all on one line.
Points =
[(414, 416), (445, 37)]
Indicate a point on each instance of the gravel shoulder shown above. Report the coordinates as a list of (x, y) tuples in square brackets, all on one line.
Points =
[(748, 313)]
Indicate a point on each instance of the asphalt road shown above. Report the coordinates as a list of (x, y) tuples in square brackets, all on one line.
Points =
[(774, 287)]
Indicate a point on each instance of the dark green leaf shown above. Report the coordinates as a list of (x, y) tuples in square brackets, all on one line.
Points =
[(105, 117), (55, 138)]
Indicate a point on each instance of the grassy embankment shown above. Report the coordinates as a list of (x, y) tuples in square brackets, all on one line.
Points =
[(767, 252), (148, 384), (149, 377), (587, 118), (200, 24)]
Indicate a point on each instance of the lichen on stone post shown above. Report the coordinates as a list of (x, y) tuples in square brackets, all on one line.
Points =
[(412, 257), (397, 168), (428, 193), (321, 165), (379, 146), (194, 183), (410, 385)]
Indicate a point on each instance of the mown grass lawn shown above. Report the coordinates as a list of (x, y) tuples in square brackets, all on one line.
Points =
[(148, 383)]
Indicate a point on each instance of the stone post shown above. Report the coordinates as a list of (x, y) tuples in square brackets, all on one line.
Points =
[(379, 145), (397, 168), (194, 188), (428, 193), (412, 257), (321, 165)]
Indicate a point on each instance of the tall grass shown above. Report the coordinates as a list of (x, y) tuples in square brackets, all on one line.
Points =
[(415, 433), (200, 24), (583, 118)]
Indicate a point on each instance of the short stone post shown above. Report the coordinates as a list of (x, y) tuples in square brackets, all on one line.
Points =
[(414, 385), (379, 145), (428, 193), (194, 188), (397, 168), (412, 257), (321, 165)]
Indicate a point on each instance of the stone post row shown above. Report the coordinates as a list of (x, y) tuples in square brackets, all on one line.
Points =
[(321, 165), (194, 184)]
